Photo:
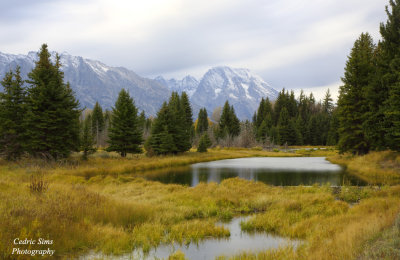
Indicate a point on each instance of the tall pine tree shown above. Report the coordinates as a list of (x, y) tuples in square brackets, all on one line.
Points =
[(97, 122), (390, 51), (87, 139), (352, 103), (125, 133), (202, 121), (12, 115), (229, 124), (52, 119)]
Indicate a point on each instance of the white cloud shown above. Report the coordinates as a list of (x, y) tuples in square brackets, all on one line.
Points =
[(178, 37), (320, 91)]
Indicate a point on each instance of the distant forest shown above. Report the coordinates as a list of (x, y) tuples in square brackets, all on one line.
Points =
[(41, 117)]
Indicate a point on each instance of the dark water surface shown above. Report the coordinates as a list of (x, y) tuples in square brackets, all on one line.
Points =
[(278, 171)]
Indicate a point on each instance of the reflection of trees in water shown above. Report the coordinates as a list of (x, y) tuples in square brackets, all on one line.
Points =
[(192, 176), (278, 178)]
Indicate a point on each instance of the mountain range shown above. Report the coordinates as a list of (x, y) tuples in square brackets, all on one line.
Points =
[(94, 81)]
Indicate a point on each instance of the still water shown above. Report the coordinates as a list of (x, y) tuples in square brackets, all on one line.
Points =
[(238, 241), (278, 171)]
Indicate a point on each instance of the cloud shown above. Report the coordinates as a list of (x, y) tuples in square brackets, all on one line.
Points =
[(289, 43)]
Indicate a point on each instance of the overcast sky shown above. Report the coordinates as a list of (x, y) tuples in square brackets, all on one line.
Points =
[(289, 43)]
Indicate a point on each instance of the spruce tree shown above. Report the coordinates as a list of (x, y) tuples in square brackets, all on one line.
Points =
[(52, 118), (352, 104), (202, 121), (224, 121), (333, 135), (125, 133), (390, 54), (180, 122), (172, 129), (229, 124), (188, 118), (12, 114), (97, 122), (262, 131), (204, 143), (327, 103), (87, 139), (284, 126), (161, 140), (142, 122), (234, 128)]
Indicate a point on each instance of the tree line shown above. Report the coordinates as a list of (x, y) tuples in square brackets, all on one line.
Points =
[(41, 117), (293, 121), (369, 99)]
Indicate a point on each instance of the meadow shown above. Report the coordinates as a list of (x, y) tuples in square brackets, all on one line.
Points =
[(104, 204)]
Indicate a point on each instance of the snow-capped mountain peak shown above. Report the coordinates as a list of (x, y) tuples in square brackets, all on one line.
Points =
[(188, 84), (94, 81), (240, 87)]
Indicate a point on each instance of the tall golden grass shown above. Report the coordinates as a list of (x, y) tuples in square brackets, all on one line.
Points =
[(94, 205), (375, 168)]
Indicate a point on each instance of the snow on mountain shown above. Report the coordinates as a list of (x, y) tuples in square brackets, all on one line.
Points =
[(240, 87), (188, 84), (95, 81)]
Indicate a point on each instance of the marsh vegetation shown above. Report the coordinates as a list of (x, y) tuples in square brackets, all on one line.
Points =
[(104, 204)]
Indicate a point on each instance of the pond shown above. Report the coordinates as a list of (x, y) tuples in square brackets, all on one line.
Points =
[(278, 171), (237, 242)]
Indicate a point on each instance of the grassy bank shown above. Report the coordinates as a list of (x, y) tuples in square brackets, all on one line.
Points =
[(103, 163), (112, 212), (375, 167)]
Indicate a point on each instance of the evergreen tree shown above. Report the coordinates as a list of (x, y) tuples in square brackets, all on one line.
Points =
[(292, 105), (262, 131), (12, 113), (160, 140), (352, 102), (281, 102), (181, 121), (202, 121), (390, 52), (87, 139), (299, 126), (186, 110), (313, 131), (125, 133), (142, 121), (229, 124), (52, 118), (260, 115), (173, 127), (234, 128), (333, 135), (327, 103), (284, 128), (204, 143), (97, 122)]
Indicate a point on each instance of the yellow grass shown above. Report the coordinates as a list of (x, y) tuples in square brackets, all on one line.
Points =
[(375, 167), (114, 213)]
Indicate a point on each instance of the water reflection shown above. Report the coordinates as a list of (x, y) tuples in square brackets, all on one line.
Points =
[(283, 171), (237, 242)]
